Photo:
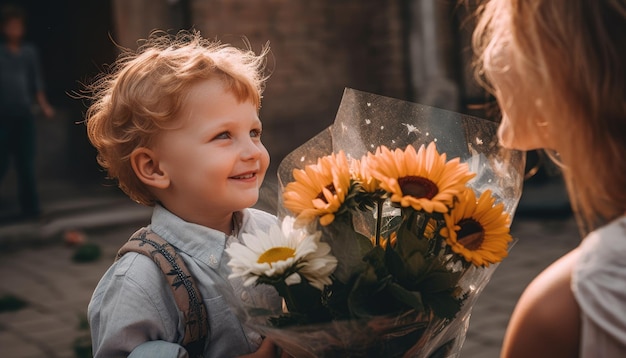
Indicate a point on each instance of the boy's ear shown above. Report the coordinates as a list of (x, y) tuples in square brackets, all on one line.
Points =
[(145, 164)]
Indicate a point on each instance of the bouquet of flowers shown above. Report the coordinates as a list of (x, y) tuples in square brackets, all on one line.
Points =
[(393, 221)]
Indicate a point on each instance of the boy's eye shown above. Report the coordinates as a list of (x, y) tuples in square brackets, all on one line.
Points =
[(255, 133), (223, 135)]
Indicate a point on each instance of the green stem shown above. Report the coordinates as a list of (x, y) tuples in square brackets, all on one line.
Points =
[(409, 218), (285, 293), (425, 221), (379, 219)]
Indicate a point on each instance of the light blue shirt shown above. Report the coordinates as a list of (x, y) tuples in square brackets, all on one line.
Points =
[(133, 308)]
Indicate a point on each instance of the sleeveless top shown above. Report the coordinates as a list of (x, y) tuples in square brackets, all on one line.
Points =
[(599, 286)]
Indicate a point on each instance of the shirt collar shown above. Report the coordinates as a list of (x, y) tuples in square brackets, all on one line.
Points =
[(201, 242)]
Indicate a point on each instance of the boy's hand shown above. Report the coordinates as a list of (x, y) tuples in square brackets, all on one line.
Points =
[(267, 349)]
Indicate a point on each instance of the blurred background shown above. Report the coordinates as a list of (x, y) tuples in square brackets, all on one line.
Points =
[(415, 50)]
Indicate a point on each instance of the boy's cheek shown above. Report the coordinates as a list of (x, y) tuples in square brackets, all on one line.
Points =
[(265, 160)]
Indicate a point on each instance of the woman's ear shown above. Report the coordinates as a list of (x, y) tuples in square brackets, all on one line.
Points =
[(145, 164)]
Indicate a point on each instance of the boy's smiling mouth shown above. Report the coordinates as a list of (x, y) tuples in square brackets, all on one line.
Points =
[(244, 176)]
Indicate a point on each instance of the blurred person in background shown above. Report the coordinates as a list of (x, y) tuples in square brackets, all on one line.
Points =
[(558, 71), (21, 86)]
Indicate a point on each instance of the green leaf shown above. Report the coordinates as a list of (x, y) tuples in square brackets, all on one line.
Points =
[(408, 241), (376, 258), (415, 265), (395, 265), (335, 298), (360, 297), (348, 246), (412, 299), (304, 299), (439, 280), (361, 199), (88, 252), (443, 304)]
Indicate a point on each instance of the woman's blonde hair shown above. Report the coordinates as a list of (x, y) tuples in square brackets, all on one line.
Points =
[(572, 55), (146, 89)]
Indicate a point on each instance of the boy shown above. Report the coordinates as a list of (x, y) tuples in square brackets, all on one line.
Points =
[(176, 123)]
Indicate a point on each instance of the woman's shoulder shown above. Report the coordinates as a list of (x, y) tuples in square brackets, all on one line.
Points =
[(545, 320)]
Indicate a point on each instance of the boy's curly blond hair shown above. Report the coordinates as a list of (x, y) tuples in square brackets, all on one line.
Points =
[(146, 89)]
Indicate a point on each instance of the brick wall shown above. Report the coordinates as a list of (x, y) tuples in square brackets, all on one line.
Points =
[(318, 48)]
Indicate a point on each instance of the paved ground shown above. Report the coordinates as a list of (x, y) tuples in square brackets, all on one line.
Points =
[(37, 267)]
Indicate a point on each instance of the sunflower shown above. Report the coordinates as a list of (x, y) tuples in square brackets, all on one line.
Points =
[(361, 173), (319, 190), (282, 255), (478, 230), (422, 180), (393, 238), (431, 226)]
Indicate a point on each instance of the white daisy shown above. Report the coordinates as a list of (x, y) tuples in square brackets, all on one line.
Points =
[(280, 255)]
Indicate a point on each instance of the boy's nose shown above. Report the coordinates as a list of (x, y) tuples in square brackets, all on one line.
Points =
[(251, 150)]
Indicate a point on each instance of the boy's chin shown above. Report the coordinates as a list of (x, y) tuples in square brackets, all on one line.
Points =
[(248, 201), (266, 200)]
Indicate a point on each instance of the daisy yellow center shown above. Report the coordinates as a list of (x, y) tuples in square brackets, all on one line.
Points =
[(418, 187), (471, 235), (331, 188), (276, 254)]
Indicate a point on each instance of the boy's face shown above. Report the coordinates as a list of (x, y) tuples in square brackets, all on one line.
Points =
[(215, 160)]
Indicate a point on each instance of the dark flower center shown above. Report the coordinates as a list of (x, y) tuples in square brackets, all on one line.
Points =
[(418, 187), (331, 188), (471, 235)]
